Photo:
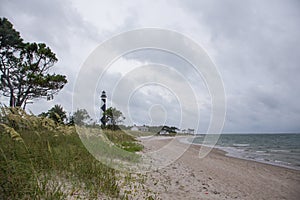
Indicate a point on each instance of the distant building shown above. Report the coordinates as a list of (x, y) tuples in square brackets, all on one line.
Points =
[(134, 128), (163, 132), (140, 128), (188, 131)]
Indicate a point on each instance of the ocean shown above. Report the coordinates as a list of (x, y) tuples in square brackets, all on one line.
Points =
[(275, 149)]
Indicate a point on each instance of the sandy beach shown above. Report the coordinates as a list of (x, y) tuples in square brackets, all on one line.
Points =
[(218, 176)]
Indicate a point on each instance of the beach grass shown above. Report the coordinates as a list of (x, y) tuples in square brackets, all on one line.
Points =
[(123, 140), (42, 160)]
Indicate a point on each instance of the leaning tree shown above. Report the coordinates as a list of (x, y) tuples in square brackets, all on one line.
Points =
[(25, 68)]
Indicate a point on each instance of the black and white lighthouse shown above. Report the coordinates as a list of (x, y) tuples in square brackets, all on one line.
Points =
[(103, 108)]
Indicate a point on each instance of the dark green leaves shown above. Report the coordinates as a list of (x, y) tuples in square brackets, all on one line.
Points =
[(24, 68), (9, 37)]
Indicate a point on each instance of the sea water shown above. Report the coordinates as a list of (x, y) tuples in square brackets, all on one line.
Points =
[(275, 149)]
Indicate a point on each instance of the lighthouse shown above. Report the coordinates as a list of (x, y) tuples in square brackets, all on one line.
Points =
[(103, 108)]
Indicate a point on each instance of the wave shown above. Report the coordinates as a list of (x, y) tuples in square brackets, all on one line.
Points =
[(279, 151), (260, 151), (241, 145)]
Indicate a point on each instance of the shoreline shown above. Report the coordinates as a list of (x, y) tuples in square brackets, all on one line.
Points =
[(218, 176), (232, 155)]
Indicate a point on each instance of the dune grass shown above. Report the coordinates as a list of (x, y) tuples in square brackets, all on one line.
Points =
[(123, 140), (42, 165), (42, 160)]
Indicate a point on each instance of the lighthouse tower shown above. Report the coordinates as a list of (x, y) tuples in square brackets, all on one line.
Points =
[(103, 108)]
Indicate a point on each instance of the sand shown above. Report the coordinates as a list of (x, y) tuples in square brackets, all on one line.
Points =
[(218, 176)]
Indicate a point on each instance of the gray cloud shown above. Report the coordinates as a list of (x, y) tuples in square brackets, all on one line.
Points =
[(54, 22), (149, 85), (255, 45), (61, 27), (257, 50)]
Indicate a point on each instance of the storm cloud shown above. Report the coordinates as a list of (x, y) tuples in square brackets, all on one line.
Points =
[(254, 44)]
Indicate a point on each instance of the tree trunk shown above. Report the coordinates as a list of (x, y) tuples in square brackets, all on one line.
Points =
[(18, 104), (12, 100)]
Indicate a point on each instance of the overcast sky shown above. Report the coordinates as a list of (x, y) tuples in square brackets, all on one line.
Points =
[(254, 44)]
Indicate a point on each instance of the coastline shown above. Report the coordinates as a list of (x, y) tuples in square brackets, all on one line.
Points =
[(228, 151), (218, 176)]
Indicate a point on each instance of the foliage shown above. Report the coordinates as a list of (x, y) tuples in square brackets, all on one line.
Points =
[(123, 140), (24, 68), (171, 129), (114, 117), (80, 117), (18, 119), (40, 159), (56, 113)]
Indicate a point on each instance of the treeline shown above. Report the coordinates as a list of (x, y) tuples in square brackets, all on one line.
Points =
[(59, 115)]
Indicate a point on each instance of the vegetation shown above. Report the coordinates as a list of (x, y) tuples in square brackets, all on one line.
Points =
[(113, 117), (56, 113), (123, 140), (24, 68), (154, 130), (80, 117), (171, 129), (40, 159)]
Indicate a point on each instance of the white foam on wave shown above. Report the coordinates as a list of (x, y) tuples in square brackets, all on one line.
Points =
[(240, 150), (241, 145), (259, 151), (280, 151), (256, 156)]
